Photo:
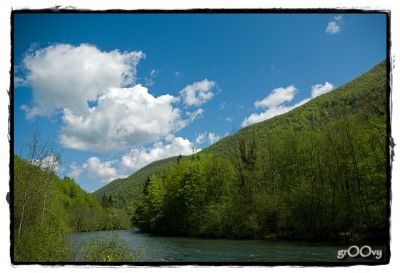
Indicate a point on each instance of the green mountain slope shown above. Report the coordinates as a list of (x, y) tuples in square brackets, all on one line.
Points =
[(365, 93), (318, 172), (126, 190), (362, 100)]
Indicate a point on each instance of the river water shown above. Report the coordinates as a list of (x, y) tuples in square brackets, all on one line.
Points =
[(183, 249)]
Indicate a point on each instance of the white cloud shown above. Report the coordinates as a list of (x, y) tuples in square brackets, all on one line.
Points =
[(334, 26), (140, 157), (191, 116), (74, 170), (101, 108), (66, 76), (274, 103), (277, 97), (212, 138), (123, 117), (150, 79), (49, 163), (319, 89), (269, 113), (101, 170), (132, 161), (198, 92), (201, 138), (18, 81)]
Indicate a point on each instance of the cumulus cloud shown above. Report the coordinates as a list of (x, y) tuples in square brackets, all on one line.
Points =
[(319, 89), (140, 157), (198, 93), (275, 103), (133, 160), (123, 117), (334, 26), (66, 76), (101, 107), (101, 170)]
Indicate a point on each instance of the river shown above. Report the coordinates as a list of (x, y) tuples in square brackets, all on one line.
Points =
[(183, 249)]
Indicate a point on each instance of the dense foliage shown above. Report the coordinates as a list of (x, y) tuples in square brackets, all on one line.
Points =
[(316, 172), (186, 195), (47, 209), (109, 249)]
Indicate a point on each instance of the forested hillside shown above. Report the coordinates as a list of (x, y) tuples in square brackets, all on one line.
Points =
[(318, 171), (125, 191), (47, 209)]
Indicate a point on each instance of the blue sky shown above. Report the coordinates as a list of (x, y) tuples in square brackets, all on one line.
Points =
[(117, 91)]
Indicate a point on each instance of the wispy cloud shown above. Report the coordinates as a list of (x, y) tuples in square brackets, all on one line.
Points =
[(210, 137), (178, 74), (335, 26), (213, 137), (200, 138), (150, 79)]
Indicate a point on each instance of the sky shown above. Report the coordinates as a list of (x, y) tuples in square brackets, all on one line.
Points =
[(119, 91)]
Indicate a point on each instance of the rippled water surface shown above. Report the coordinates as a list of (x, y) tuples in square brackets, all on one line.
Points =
[(183, 249)]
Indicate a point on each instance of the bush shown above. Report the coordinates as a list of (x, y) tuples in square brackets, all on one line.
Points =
[(42, 245), (110, 249)]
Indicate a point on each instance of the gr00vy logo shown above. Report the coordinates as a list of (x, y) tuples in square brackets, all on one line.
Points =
[(356, 251)]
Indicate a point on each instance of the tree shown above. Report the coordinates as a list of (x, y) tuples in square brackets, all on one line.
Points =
[(104, 201), (146, 186), (110, 201), (40, 153)]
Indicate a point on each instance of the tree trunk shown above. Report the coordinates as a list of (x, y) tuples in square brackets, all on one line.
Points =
[(23, 211)]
